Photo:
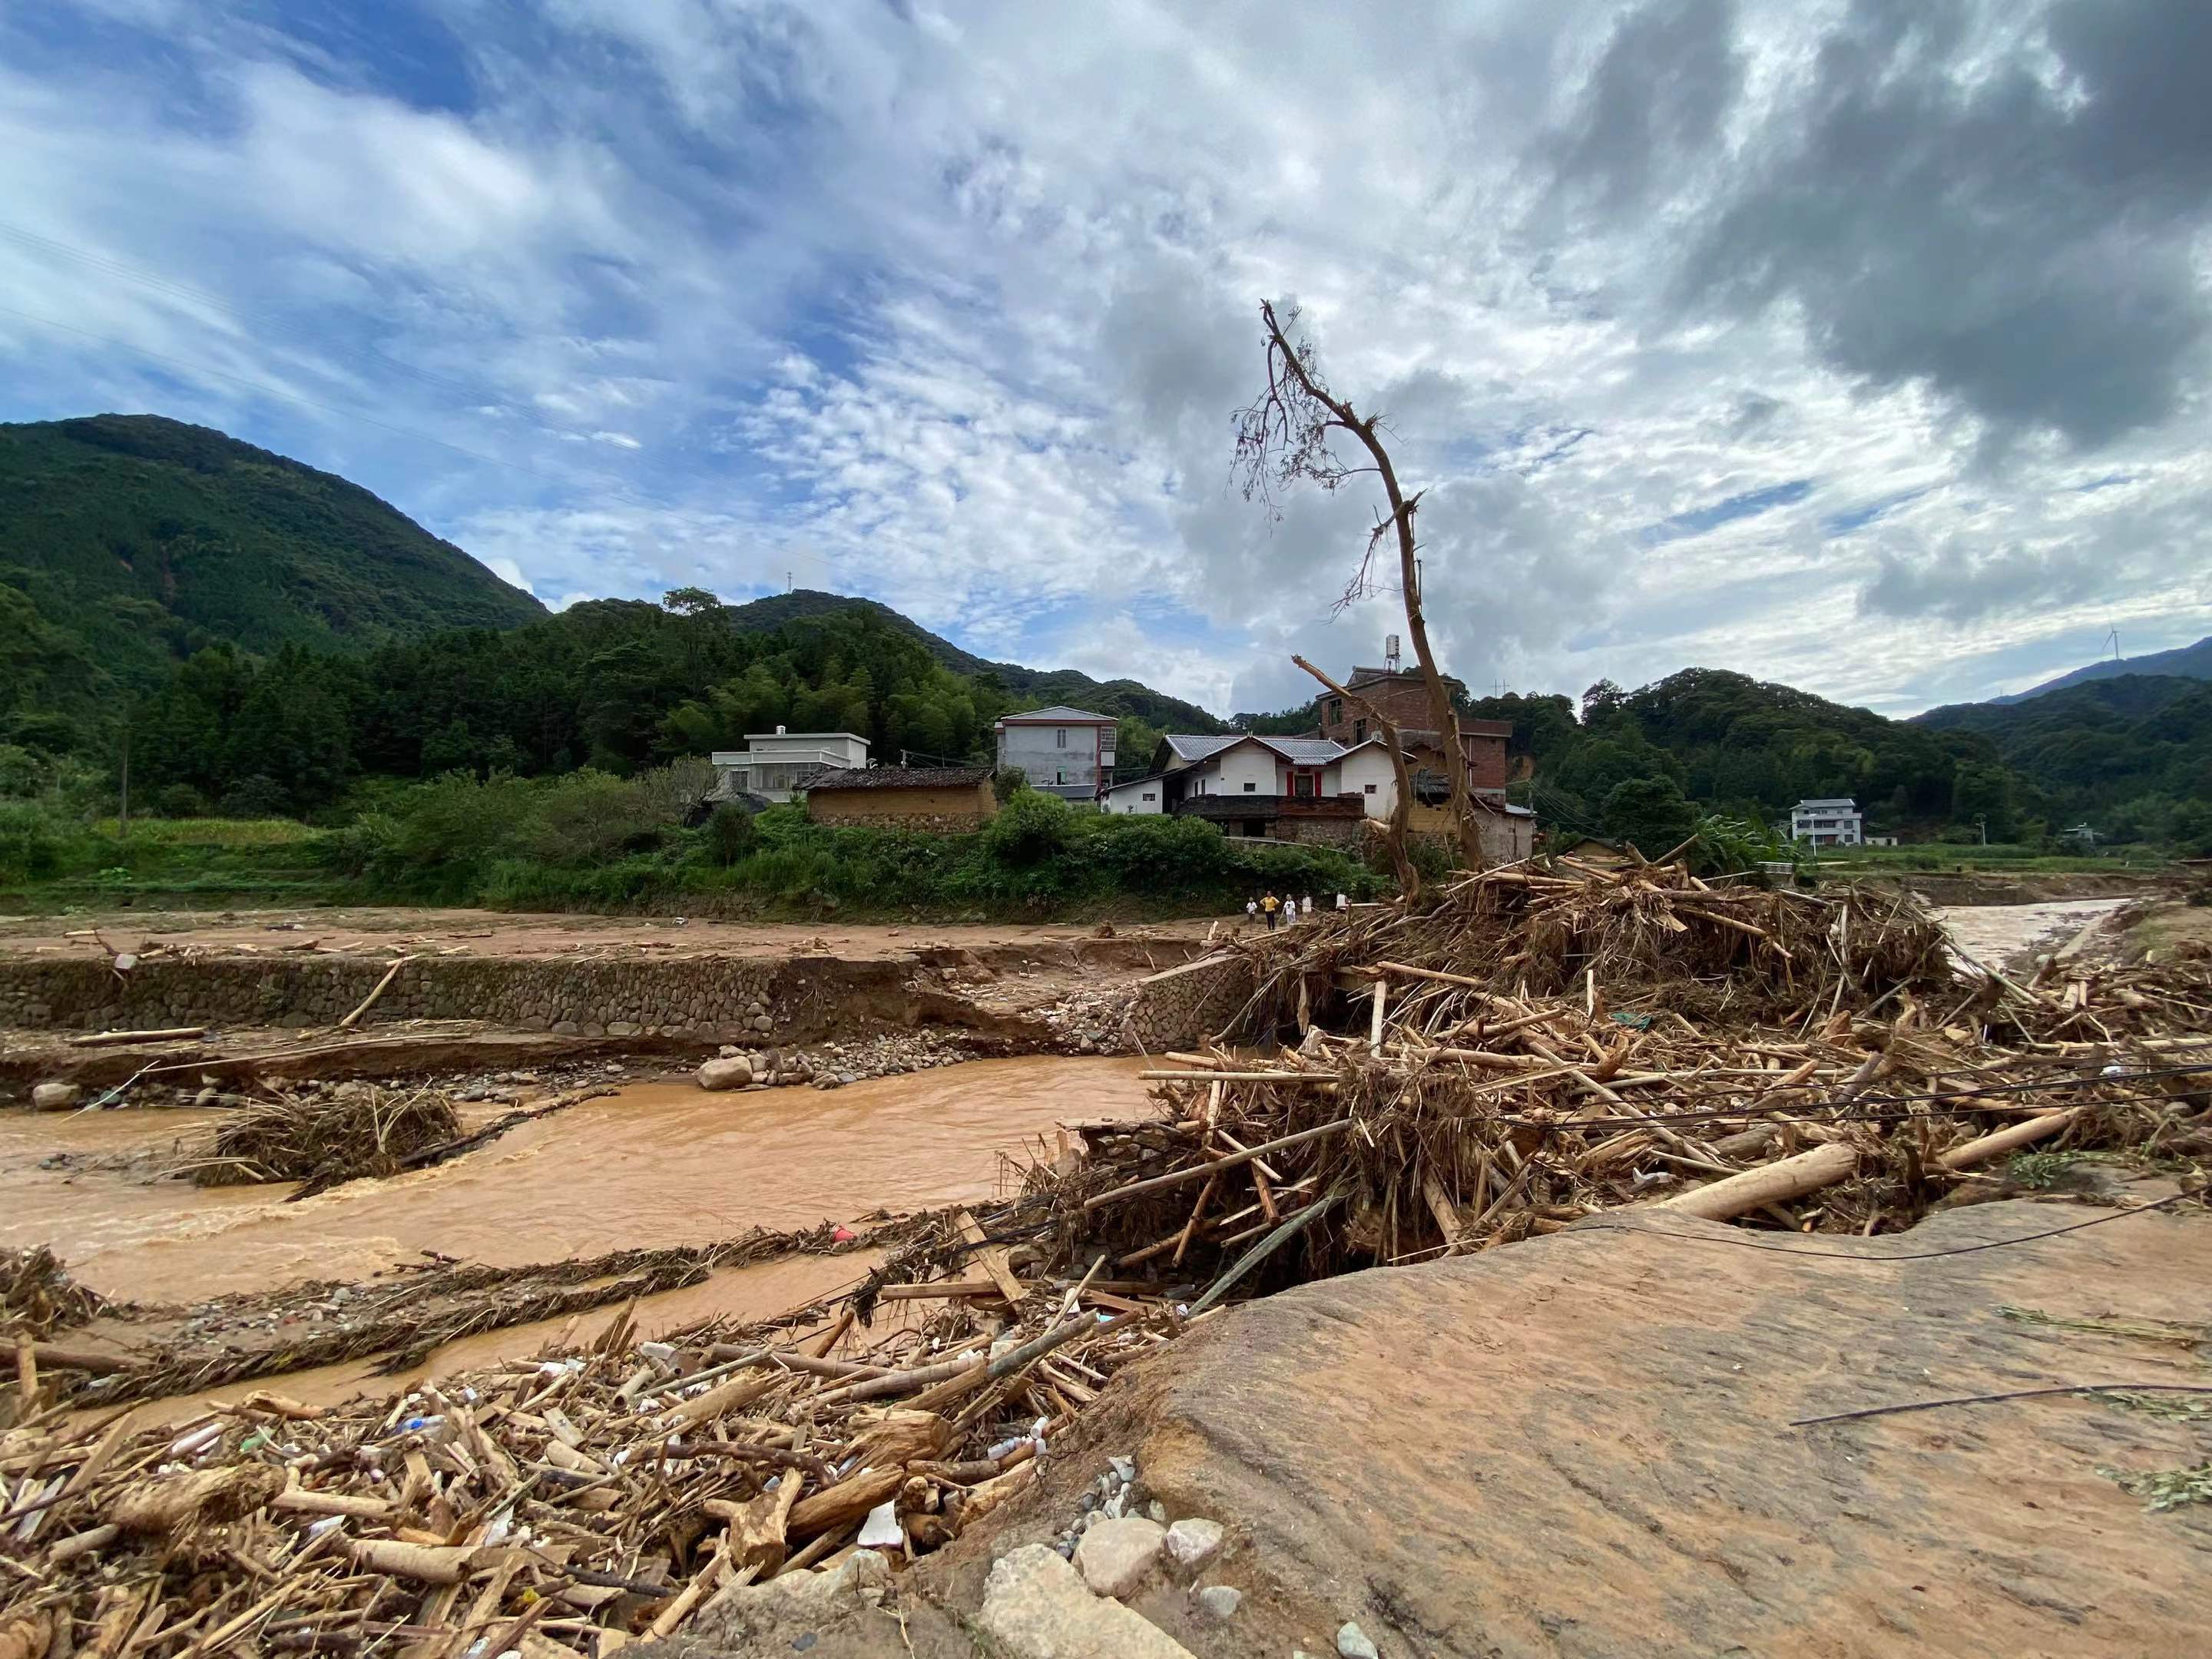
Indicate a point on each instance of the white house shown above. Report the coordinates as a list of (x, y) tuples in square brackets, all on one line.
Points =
[(1063, 752), (1833, 821), (773, 764), (1286, 788), (1298, 768)]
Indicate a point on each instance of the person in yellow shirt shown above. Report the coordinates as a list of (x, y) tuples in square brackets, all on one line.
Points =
[(1272, 907)]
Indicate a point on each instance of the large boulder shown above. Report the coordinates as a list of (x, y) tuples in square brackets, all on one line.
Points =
[(733, 1073), (1116, 1554), (55, 1096), (1035, 1607)]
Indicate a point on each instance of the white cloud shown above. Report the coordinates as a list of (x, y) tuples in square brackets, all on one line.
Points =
[(953, 307)]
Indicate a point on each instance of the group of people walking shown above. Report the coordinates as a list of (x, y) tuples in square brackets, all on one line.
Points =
[(1274, 911)]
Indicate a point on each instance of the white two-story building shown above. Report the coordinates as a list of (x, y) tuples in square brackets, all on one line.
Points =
[(1833, 821), (1063, 752), (773, 764)]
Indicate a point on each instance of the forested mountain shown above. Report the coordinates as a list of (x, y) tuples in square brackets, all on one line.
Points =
[(1124, 698), (127, 542), (2132, 755), (2192, 662)]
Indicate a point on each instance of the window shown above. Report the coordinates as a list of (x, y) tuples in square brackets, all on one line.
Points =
[(1370, 788), (1060, 738), (1359, 731), (1251, 788), (1336, 709), (1060, 777), (1149, 795)]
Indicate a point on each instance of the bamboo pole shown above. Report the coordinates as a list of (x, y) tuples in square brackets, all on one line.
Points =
[(2003, 1140), (1770, 1183), (1199, 1171), (369, 1001)]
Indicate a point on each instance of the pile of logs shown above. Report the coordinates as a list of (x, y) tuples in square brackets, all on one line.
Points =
[(558, 1507)]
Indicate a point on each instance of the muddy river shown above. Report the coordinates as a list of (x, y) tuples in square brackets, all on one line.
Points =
[(657, 1164)]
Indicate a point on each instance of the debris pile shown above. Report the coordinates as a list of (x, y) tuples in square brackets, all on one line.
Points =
[(367, 1133), (1530, 1049), (405, 1316), (38, 1296), (556, 1507), (1518, 1057)]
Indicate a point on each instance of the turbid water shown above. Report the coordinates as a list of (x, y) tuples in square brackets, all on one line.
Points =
[(654, 1164)]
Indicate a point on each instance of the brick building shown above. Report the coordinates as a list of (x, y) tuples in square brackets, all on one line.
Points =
[(1401, 698)]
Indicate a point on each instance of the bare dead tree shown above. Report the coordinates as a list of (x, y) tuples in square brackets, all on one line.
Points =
[(1287, 435)]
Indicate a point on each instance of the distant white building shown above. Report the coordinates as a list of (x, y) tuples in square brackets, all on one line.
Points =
[(1834, 822), (1063, 752), (773, 764)]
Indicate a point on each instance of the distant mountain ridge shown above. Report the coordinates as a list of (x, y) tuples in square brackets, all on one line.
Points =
[(1118, 697), (128, 541), (2189, 662)]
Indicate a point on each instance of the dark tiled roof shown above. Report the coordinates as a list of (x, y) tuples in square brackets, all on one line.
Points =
[(902, 777)]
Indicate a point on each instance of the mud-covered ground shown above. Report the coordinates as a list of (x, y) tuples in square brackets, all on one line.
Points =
[(489, 932)]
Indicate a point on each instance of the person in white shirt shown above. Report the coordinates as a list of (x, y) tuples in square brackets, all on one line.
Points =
[(1251, 909), (1306, 905), (1342, 902)]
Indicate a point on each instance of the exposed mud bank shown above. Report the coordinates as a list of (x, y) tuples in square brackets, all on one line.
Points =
[(704, 998), (2027, 887), (1582, 1446)]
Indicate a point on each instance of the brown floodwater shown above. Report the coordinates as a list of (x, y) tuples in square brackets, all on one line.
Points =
[(657, 1164)]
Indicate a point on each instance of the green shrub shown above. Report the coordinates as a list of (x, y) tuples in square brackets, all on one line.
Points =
[(179, 800), (730, 834), (1031, 827), (30, 842)]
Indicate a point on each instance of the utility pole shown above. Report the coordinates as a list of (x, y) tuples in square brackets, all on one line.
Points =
[(1982, 823)]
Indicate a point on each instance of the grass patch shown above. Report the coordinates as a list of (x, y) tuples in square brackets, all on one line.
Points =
[(1932, 857), (2165, 1489), (2141, 1330), (2040, 1171), (2173, 1407)]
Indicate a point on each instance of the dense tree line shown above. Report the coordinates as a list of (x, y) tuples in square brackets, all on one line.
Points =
[(1645, 762), (2131, 756), (615, 685)]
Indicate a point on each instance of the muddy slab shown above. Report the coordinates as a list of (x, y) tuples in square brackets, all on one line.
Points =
[(1582, 1446)]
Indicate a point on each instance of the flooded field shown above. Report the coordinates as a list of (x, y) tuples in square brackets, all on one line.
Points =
[(656, 1163)]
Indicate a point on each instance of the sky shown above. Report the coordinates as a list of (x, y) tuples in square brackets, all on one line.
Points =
[(1860, 344)]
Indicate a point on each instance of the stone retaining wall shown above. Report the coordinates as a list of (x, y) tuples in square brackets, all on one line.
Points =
[(1183, 1008), (726, 999)]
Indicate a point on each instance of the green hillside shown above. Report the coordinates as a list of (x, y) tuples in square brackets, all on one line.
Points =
[(2192, 662), (127, 542), (2131, 756), (1127, 699)]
